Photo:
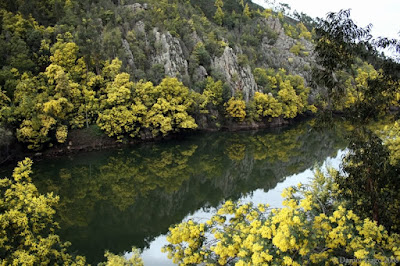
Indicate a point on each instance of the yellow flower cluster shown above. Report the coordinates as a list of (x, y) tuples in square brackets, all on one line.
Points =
[(26, 223), (311, 229), (62, 133), (283, 95), (267, 105), (191, 233), (118, 260), (236, 108), (159, 109)]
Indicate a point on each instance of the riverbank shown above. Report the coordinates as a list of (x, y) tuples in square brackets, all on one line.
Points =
[(92, 139)]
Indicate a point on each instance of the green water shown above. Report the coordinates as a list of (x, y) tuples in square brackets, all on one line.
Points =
[(115, 199)]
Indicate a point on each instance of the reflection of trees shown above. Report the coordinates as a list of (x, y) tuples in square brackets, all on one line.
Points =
[(236, 151), (279, 147), (132, 175), (119, 179), (116, 199)]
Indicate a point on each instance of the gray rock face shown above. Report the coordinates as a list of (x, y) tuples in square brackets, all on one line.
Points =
[(274, 24), (196, 37), (6, 136), (136, 7), (173, 55), (239, 77), (200, 73), (6, 140), (278, 55), (140, 27), (129, 54), (169, 54)]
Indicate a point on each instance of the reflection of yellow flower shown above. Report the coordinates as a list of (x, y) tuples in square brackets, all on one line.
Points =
[(236, 151)]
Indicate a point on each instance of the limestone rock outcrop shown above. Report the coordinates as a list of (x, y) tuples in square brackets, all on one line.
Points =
[(239, 77), (169, 53)]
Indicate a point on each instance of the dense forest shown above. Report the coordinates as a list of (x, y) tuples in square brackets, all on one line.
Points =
[(146, 69)]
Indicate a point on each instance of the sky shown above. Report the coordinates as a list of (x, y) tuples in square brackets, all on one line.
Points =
[(384, 15)]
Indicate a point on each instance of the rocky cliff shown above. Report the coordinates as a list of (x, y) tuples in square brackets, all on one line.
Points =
[(238, 76), (278, 54), (177, 56), (169, 53)]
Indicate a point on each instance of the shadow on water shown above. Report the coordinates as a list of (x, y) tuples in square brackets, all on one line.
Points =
[(116, 199)]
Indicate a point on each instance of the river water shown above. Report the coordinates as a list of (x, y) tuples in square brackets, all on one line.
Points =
[(115, 199)]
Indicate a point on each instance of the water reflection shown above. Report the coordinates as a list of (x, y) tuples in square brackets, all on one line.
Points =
[(115, 199)]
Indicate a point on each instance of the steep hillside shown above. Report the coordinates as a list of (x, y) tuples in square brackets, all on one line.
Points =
[(70, 64), (165, 38)]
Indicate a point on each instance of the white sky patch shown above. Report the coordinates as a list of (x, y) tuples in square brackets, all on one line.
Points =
[(383, 15)]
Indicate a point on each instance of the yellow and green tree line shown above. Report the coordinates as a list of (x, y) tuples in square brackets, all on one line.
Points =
[(65, 93)]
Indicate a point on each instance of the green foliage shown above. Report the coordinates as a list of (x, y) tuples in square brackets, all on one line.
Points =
[(24, 47), (201, 55), (265, 78), (156, 73), (46, 12), (27, 223), (212, 94), (371, 180), (213, 45), (306, 20), (340, 45), (339, 39), (243, 60), (229, 7), (298, 49), (291, 31), (219, 16), (246, 11), (356, 95), (289, 95)]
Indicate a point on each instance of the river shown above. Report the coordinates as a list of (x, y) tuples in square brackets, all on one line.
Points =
[(115, 199)]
